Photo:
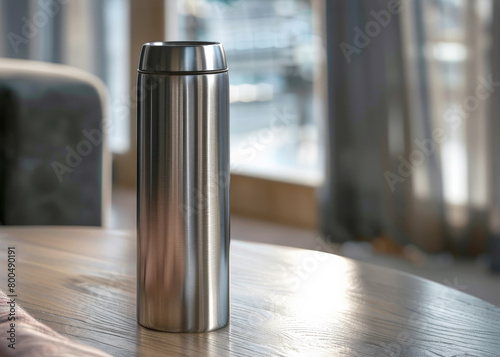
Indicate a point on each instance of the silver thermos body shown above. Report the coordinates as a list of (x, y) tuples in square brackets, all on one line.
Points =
[(183, 187)]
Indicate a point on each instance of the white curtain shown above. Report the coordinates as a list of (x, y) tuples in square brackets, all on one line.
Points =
[(413, 127)]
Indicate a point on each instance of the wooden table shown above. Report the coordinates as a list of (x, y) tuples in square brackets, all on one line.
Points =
[(284, 302)]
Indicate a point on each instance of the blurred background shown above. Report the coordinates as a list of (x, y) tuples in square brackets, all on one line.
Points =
[(367, 128)]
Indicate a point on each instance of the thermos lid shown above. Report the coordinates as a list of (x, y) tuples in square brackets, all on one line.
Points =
[(182, 57)]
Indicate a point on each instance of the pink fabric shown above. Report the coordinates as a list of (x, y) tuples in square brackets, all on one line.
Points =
[(33, 338)]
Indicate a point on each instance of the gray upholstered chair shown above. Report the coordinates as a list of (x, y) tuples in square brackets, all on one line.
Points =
[(54, 166)]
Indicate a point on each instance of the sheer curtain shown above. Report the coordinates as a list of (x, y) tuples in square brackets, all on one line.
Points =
[(413, 123)]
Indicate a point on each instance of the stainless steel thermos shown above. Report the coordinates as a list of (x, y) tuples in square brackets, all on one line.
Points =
[(183, 187)]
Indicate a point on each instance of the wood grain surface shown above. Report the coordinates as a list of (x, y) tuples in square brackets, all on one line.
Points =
[(284, 302), (36, 338)]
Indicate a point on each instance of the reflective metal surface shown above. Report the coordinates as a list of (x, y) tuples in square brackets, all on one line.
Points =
[(183, 199), (182, 56)]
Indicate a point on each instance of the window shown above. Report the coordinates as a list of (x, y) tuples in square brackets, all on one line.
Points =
[(457, 53), (272, 53)]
